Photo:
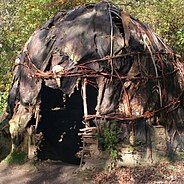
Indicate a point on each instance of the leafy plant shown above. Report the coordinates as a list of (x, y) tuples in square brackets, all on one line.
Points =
[(180, 35), (109, 139)]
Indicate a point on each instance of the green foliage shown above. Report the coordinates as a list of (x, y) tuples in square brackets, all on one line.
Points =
[(4, 89), (17, 24), (109, 139), (180, 35), (3, 99), (16, 157)]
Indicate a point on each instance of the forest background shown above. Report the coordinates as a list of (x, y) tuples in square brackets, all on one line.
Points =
[(19, 18)]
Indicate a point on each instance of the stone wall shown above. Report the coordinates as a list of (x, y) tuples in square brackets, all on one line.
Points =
[(141, 153)]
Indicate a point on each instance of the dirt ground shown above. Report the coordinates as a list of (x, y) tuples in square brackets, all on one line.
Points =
[(59, 173), (43, 173)]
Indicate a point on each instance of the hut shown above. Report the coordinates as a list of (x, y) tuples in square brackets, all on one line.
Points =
[(93, 66)]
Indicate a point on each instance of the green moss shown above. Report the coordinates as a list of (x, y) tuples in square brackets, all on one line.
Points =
[(16, 157)]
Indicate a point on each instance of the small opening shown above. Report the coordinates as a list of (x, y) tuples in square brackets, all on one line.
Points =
[(62, 118)]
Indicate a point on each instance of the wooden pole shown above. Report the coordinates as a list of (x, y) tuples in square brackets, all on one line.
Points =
[(84, 95)]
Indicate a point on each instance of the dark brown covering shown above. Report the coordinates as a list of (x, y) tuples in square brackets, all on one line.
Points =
[(137, 77)]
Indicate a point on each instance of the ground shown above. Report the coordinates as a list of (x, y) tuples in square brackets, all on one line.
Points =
[(59, 173)]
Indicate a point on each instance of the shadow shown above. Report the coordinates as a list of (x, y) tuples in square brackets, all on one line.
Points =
[(54, 172), (60, 124), (5, 142)]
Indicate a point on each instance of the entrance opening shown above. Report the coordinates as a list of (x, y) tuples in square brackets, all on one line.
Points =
[(62, 118)]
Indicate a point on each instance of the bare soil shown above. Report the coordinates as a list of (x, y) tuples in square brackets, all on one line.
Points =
[(59, 173), (45, 172)]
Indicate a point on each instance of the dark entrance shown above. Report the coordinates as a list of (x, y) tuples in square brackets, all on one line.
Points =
[(62, 118)]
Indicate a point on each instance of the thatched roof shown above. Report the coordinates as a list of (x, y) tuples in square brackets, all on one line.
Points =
[(136, 75)]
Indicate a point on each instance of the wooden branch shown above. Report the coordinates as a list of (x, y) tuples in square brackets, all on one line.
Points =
[(84, 96)]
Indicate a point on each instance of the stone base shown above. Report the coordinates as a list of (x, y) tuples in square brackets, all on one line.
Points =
[(141, 153)]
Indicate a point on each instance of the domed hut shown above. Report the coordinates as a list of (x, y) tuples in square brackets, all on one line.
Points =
[(90, 67)]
